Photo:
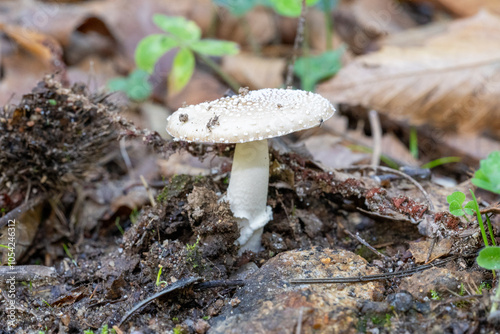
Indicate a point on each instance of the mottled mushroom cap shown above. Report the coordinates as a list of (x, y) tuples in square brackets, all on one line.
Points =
[(254, 115)]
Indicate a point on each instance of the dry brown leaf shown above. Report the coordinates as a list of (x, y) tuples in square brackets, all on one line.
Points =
[(467, 7), (255, 72), (201, 88), (42, 46), (420, 249), (360, 22), (451, 81), (257, 26)]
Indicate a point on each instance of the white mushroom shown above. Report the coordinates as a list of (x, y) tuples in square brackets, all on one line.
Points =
[(249, 120)]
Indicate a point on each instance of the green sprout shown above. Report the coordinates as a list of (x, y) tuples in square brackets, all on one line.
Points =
[(435, 295), (118, 226), (192, 253), (185, 35), (68, 253), (136, 85), (158, 282)]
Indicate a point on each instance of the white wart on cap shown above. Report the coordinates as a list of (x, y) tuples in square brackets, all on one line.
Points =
[(256, 115)]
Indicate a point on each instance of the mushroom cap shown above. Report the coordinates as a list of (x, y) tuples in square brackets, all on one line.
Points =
[(250, 116)]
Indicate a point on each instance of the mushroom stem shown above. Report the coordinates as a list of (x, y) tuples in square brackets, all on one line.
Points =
[(247, 192)]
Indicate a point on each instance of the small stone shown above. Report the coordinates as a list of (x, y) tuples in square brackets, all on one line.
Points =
[(401, 301), (201, 326), (325, 260)]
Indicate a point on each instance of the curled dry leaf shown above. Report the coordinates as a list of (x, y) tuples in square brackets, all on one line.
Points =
[(452, 80), (44, 47)]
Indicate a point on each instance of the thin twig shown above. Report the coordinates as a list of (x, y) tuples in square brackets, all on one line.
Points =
[(180, 284), (368, 278), (126, 158), (299, 38), (377, 137), (363, 242), (395, 171)]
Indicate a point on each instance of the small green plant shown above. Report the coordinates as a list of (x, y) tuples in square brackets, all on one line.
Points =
[(290, 8), (462, 289), (68, 253), (312, 69), (135, 85), (185, 35), (456, 207), (158, 282), (489, 258), (118, 226), (483, 286), (192, 255), (488, 175), (434, 295), (134, 215), (178, 330), (88, 331), (175, 319)]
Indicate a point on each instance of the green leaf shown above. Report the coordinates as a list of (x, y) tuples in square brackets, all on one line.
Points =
[(488, 175), (182, 70), (457, 196), (456, 209), (470, 208), (185, 30), (238, 7), (151, 48), (489, 258), (290, 8), (213, 47), (136, 85), (310, 70)]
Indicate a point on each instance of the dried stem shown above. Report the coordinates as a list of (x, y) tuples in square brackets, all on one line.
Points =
[(299, 38)]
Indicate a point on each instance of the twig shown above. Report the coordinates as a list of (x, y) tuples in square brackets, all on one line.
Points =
[(180, 284), (150, 194), (368, 278), (395, 171), (377, 137), (126, 158), (296, 45), (363, 242)]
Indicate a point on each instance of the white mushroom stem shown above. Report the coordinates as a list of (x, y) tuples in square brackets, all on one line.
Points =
[(247, 192)]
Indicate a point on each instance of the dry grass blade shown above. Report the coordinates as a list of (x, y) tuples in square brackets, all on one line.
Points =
[(450, 79)]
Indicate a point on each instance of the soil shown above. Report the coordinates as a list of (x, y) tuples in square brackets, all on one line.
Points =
[(91, 258)]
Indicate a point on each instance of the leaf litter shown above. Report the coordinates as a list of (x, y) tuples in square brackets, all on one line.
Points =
[(104, 277)]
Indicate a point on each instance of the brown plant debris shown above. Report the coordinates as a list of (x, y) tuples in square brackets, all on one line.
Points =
[(445, 78), (52, 137)]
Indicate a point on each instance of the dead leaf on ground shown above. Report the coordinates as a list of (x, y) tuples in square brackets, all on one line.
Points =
[(254, 71), (257, 26), (42, 46), (420, 249), (451, 81), (360, 22), (466, 7)]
